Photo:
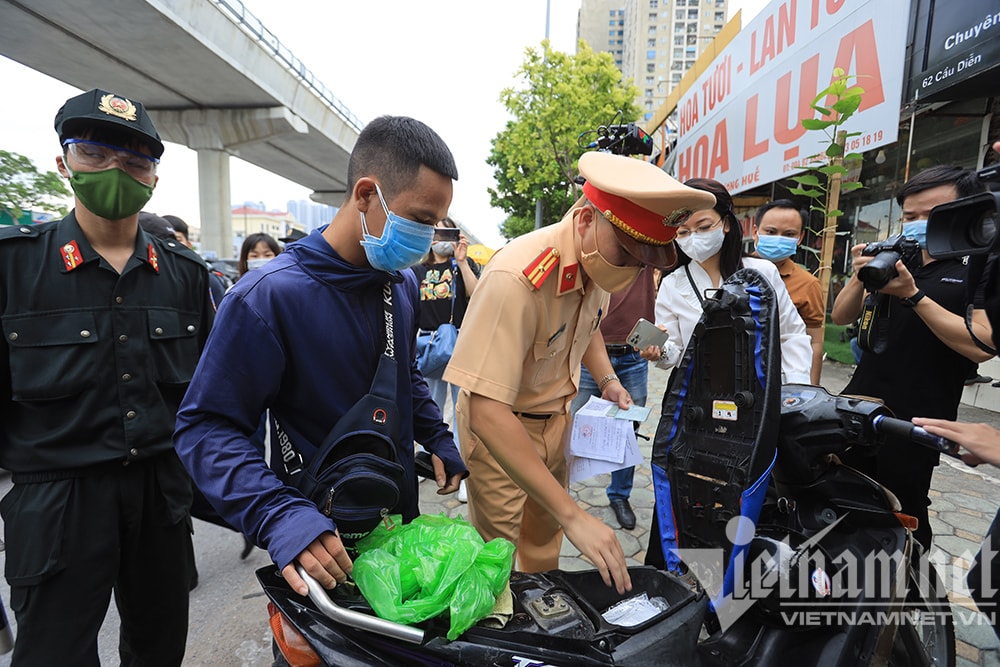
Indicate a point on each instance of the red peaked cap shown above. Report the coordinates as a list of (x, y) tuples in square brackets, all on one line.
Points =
[(644, 204)]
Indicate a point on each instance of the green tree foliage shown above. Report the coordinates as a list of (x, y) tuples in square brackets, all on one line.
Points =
[(823, 181), (534, 158), (24, 188)]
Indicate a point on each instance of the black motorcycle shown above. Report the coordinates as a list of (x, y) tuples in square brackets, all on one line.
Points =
[(777, 554)]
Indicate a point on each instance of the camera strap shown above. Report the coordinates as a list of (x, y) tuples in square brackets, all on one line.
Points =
[(980, 293), (873, 331)]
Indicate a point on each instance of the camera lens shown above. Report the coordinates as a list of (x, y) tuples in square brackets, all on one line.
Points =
[(983, 231), (880, 270)]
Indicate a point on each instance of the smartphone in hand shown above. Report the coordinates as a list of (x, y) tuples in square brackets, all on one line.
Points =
[(447, 234), (645, 333)]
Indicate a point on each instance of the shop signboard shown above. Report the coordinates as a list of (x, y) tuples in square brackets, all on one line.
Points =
[(960, 41), (740, 123)]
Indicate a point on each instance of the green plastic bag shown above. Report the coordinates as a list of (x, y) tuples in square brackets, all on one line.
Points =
[(412, 572)]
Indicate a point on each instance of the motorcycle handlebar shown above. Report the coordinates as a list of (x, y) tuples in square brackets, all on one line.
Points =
[(356, 619), (905, 430)]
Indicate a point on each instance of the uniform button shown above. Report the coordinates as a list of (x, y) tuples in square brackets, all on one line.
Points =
[(126, 377), (13, 335), (130, 414), (122, 338), (118, 299), (133, 452), (191, 328), (158, 331), (171, 244), (25, 230), (84, 334)]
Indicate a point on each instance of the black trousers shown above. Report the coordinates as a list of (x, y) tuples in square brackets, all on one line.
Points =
[(71, 542), (984, 575), (906, 470)]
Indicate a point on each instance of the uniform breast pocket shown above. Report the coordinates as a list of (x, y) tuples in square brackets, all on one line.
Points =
[(547, 354), (52, 356), (173, 343)]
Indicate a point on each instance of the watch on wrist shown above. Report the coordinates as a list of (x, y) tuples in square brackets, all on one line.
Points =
[(911, 301)]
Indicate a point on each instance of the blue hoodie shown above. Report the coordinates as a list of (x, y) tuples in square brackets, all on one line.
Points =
[(302, 337)]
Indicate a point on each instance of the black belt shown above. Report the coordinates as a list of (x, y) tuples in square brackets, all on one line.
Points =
[(619, 349), (531, 415)]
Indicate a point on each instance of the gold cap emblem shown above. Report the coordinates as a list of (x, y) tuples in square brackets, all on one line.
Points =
[(678, 217), (117, 106)]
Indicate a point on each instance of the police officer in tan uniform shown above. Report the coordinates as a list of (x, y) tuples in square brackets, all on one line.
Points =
[(533, 320)]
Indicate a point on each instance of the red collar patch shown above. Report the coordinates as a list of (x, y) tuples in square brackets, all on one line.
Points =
[(70, 254), (154, 261), (568, 278)]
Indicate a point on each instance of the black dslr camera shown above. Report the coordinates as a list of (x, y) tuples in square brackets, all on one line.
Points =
[(876, 273)]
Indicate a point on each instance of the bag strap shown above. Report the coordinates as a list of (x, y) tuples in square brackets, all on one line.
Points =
[(454, 289), (701, 299), (390, 336)]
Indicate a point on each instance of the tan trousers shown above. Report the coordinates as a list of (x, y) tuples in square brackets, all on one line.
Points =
[(498, 507)]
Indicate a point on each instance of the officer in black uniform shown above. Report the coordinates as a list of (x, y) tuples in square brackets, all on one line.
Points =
[(102, 328)]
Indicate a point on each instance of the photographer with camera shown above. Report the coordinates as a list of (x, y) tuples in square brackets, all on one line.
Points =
[(918, 352), (970, 227)]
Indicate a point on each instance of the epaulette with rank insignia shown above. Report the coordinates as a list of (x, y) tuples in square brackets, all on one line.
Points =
[(541, 267)]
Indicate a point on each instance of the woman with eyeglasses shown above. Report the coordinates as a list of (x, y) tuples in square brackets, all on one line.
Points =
[(709, 250)]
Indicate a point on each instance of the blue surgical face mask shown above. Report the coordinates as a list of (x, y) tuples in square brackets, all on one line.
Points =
[(403, 242), (916, 229), (776, 248)]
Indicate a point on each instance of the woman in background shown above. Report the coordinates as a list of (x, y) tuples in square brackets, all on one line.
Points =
[(709, 250), (257, 250), (447, 280)]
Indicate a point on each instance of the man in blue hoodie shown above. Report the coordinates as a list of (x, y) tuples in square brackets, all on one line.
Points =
[(303, 338)]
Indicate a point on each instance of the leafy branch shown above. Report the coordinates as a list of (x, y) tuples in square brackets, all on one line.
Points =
[(823, 179)]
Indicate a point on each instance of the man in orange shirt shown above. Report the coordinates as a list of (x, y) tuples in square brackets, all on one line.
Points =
[(778, 229)]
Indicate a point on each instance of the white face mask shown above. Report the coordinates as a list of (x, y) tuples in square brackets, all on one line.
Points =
[(257, 262), (700, 247)]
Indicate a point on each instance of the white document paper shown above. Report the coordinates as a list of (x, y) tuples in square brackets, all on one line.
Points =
[(599, 442)]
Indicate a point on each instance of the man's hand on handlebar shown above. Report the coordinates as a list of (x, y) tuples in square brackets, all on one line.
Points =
[(325, 559), (981, 440)]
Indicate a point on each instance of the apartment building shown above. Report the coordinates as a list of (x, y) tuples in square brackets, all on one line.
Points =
[(653, 42)]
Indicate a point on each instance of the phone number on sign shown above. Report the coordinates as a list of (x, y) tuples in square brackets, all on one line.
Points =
[(863, 142)]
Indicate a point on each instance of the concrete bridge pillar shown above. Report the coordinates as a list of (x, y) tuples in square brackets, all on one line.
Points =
[(213, 202), (216, 134)]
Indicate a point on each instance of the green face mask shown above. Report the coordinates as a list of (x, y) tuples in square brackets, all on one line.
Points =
[(111, 194)]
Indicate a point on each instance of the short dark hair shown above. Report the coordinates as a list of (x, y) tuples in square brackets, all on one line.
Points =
[(730, 256), (966, 182), (156, 226), (110, 135), (781, 203), (393, 148), (178, 225)]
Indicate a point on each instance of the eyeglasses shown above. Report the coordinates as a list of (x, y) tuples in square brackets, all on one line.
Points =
[(100, 156), (703, 228)]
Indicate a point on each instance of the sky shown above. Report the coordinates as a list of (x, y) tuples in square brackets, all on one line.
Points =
[(443, 62)]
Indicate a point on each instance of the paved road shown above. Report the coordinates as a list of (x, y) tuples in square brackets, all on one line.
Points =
[(228, 612)]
